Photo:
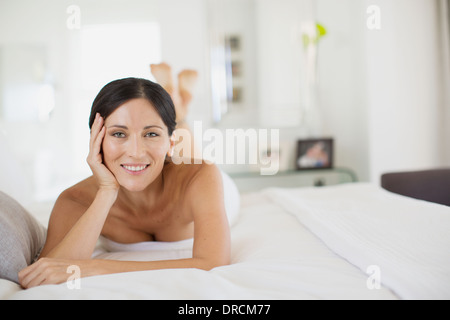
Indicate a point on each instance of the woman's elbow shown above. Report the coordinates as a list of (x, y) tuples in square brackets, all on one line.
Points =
[(209, 264)]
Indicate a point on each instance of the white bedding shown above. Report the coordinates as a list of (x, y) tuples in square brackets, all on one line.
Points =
[(300, 244), (407, 240)]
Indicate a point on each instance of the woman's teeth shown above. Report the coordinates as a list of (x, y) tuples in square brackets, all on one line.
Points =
[(135, 168)]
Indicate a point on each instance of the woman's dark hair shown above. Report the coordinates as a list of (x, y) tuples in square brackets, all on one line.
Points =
[(117, 92)]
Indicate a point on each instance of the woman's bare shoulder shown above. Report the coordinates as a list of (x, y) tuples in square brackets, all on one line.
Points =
[(184, 179), (190, 172), (82, 193)]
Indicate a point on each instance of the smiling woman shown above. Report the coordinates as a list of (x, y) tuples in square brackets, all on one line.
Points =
[(136, 193), (133, 146)]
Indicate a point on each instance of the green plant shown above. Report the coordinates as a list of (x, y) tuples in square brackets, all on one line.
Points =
[(321, 31)]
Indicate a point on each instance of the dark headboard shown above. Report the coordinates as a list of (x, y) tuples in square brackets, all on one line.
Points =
[(430, 185)]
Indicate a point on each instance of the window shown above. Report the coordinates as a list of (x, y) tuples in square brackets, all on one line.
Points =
[(115, 51)]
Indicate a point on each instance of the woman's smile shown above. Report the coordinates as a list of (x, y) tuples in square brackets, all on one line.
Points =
[(136, 144), (135, 169)]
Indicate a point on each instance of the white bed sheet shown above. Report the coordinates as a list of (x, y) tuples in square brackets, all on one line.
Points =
[(406, 240), (274, 256)]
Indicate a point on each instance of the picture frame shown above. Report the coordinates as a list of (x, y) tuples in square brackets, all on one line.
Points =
[(313, 154), (236, 68), (233, 42), (237, 95)]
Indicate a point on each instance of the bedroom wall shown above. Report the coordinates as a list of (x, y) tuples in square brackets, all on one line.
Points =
[(342, 77), (404, 88), (444, 20), (384, 93), (53, 153), (381, 90), (26, 23)]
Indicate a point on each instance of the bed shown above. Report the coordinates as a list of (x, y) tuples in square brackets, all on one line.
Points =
[(350, 241)]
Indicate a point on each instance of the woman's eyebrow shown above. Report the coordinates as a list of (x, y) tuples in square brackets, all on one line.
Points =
[(118, 126), (152, 126), (126, 128)]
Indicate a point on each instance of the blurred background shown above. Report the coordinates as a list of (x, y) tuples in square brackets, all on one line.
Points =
[(371, 75)]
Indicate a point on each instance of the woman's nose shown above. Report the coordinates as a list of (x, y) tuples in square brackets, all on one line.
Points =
[(135, 148)]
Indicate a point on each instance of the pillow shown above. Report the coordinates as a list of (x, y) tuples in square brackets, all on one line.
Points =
[(21, 238)]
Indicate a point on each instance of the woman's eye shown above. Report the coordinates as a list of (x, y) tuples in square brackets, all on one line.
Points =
[(118, 135), (151, 134)]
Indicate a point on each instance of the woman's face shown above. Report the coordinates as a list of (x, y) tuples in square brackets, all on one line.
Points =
[(136, 144)]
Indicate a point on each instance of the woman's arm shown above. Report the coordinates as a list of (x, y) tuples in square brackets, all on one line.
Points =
[(211, 227), (56, 271), (69, 240), (102, 267), (211, 240), (73, 233), (212, 243)]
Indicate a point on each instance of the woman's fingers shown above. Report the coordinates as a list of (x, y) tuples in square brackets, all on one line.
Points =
[(104, 176), (96, 128), (97, 146), (33, 281), (97, 134), (24, 275), (33, 275), (44, 271)]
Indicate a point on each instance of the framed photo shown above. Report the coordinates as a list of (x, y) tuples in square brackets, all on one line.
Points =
[(236, 69), (237, 95), (233, 42), (314, 154)]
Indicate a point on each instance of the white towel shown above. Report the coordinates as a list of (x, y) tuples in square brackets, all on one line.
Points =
[(143, 251)]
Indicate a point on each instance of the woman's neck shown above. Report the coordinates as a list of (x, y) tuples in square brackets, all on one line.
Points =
[(142, 201)]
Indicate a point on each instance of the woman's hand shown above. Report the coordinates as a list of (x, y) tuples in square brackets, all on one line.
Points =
[(105, 178), (55, 271), (73, 231)]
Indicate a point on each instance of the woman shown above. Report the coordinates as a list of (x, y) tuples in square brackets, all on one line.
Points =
[(136, 194)]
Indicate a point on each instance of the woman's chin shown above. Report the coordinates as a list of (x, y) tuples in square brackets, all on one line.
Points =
[(133, 187)]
